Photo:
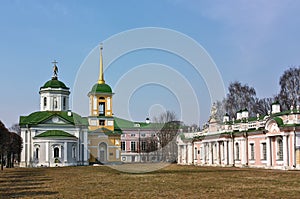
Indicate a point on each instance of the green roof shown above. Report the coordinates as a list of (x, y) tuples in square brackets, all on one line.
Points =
[(278, 121), (107, 131), (54, 83), (54, 133), (123, 124), (40, 116), (101, 88)]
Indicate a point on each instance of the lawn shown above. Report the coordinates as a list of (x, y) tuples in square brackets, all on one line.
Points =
[(172, 181)]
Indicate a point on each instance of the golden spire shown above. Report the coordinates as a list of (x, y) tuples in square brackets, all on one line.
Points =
[(101, 78)]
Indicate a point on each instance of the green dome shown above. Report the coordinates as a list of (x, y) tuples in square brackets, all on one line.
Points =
[(101, 88), (54, 83)]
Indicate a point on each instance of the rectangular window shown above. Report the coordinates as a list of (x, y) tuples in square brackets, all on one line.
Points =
[(132, 146), (264, 151), (123, 146), (143, 146), (132, 135), (143, 134), (101, 122), (252, 151)]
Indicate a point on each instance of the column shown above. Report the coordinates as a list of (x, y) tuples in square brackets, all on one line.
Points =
[(47, 152), (285, 151), (269, 154), (218, 153), (178, 154), (244, 155), (225, 152), (211, 153), (184, 154), (65, 152), (230, 153), (190, 153)]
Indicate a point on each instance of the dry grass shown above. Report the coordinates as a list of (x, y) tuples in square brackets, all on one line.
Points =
[(170, 182)]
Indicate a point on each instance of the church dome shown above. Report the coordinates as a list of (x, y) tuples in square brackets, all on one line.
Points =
[(54, 83), (101, 88)]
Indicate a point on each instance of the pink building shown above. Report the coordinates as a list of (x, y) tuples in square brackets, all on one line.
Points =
[(271, 141)]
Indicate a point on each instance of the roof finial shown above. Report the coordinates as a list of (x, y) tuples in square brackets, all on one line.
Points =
[(101, 78), (55, 69)]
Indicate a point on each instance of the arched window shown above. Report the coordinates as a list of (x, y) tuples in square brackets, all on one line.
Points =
[(45, 101), (101, 108), (237, 151), (37, 153), (56, 152), (73, 152), (64, 103), (279, 149)]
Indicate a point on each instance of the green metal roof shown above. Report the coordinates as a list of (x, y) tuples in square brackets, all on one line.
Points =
[(107, 131), (40, 116), (54, 133), (101, 88), (54, 83), (278, 121)]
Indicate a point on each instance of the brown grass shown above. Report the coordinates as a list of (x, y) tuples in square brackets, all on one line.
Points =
[(170, 182)]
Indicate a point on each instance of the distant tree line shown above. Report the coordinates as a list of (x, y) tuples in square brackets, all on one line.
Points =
[(242, 96), (10, 146)]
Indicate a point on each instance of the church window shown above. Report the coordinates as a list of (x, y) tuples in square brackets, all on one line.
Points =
[(237, 151), (56, 152), (101, 122), (64, 103), (73, 152), (45, 101), (37, 153), (101, 108), (55, 103), (279, 149)]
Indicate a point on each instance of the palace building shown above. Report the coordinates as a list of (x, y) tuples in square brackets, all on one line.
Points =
[(271, 141)]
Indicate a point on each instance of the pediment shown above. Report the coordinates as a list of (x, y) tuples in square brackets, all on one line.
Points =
[(272, 127), (55, 119)]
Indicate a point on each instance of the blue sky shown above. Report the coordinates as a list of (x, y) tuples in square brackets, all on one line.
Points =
[(249, 41)]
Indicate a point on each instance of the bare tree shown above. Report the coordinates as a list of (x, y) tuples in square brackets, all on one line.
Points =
[(166, 135), (262, 106), (240, 97), (289, 88), (15, 128)]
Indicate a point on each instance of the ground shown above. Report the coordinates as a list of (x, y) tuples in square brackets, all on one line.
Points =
[(172, 181)]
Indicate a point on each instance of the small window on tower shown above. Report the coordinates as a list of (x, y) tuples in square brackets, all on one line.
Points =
[(45, 101), (101, 108), (102, 98), (55, 103), (101, 122), (64, 103)]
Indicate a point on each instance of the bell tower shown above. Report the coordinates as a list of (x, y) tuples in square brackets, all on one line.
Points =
[(100, 103)]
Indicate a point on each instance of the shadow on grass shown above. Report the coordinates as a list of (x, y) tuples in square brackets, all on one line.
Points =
[(24, 183)]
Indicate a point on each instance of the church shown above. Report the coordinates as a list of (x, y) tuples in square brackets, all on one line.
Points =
[(56, 136)]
